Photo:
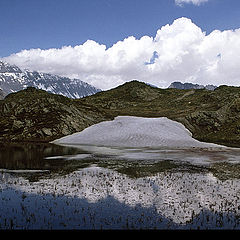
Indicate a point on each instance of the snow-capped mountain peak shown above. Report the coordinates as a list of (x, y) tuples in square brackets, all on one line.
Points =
[(13, 79), (7, 68)]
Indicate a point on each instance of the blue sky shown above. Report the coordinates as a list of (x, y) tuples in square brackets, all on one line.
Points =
[(108, 42), (45, 24)]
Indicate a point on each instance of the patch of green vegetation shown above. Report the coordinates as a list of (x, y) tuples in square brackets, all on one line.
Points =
[(226, 171), (137, 170)]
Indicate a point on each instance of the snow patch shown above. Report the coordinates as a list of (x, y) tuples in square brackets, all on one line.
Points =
[(128, 131)]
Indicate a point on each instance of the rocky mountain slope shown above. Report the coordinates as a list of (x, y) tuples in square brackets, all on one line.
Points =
[(212, 116), (13, 79), (36, 115)]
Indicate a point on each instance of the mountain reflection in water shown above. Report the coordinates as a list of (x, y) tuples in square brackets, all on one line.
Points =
[(100, 188)]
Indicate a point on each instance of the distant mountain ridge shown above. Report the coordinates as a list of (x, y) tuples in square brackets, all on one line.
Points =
[(180, 85), (13, 79)]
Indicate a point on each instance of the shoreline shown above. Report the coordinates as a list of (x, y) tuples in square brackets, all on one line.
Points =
[(231, 144)]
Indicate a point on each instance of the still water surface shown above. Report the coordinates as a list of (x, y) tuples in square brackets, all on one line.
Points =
[(45, 186)]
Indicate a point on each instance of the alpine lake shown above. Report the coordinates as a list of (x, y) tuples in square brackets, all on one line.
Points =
[(46, 186)]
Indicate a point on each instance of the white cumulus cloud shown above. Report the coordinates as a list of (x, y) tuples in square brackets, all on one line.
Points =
[(195, 2), (179, 51)]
